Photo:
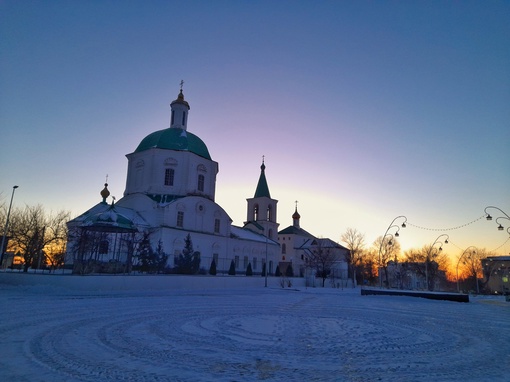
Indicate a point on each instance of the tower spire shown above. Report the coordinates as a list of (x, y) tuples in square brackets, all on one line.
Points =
[(262, 187)]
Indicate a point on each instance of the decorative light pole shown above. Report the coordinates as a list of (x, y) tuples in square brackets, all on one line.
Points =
[(265, 265), (6, 227), (429, 252), (506, 217), (386, 234), (460, 258)]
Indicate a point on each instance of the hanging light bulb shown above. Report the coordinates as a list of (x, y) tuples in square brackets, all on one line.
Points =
[(489, 217), (501, 228)]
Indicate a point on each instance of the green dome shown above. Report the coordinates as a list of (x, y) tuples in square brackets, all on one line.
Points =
[(174, 139)]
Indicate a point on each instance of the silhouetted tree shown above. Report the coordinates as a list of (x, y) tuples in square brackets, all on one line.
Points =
[(388, 251), (31, 231), (212, 269), (290, 271), (150, 260), (355, 242), (277, 271), (188, 262), (321, 259), (232, 269)]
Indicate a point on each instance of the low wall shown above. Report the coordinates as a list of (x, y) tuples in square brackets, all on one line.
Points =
[(135, 282), (458, 297)]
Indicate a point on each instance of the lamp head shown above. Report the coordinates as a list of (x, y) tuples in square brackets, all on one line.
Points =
[(15, 187), (489, 217), (501, 228), (446, 241), (404, 225), (396, 234)]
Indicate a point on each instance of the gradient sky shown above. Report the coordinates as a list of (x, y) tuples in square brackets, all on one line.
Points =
[(364, 110)]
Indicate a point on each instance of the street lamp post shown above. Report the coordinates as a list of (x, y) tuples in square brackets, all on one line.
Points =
[(429, 252), (265, 276), (386, 234), (6, 227), (489, 217), (460, 258)]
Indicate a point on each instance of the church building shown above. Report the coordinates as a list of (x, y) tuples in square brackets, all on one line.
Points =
[(170, 194)]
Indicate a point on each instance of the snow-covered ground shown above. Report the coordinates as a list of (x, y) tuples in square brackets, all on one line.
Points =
[(242, 332)]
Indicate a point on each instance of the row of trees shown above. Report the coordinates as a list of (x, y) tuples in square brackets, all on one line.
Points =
[(428, 263), (38, 237)]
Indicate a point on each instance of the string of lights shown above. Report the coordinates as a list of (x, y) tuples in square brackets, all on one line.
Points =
[(446, 229), (506, 241)]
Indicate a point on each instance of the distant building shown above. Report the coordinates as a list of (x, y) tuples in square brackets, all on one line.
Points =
[(411, 276), (496, 274), (299, 247)]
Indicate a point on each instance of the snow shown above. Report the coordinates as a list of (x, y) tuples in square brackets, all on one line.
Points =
[(171, 328)]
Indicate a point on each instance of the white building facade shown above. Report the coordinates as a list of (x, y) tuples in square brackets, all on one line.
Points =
[(170, 193)]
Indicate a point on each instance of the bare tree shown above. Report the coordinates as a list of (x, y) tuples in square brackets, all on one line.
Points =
[(428, 263), (32, 231), (355, 242), (322, 259), (389, 250), (471, 267)]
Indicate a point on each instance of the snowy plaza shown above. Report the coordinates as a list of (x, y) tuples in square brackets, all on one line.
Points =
[(242, 332)]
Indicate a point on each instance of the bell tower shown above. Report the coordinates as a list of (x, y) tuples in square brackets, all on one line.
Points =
[(262, 209)]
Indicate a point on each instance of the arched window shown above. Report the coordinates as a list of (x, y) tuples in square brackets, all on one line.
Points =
[(269, 215), (169, 176), (284, 248), (256, 212), (201, 181)]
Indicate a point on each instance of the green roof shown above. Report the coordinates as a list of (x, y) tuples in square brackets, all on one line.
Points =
[(174, 139), (262, 188)]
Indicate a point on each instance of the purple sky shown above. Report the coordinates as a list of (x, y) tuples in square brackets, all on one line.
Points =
[(364, 110)]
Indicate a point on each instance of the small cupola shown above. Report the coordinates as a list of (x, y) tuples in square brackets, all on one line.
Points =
[(105, 193), (180, 109), (295, 218)]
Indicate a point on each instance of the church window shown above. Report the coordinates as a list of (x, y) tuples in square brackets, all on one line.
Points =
[(216, 225), (173, 117), (270, 233), (284, 248), (201, 181), (269, 215), (169, 176), (256, 212), (180, 219), (245, 262), (236, 261), (183, 118)]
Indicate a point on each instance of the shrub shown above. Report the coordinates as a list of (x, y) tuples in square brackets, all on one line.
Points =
[(212, 269), (232, 270)]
